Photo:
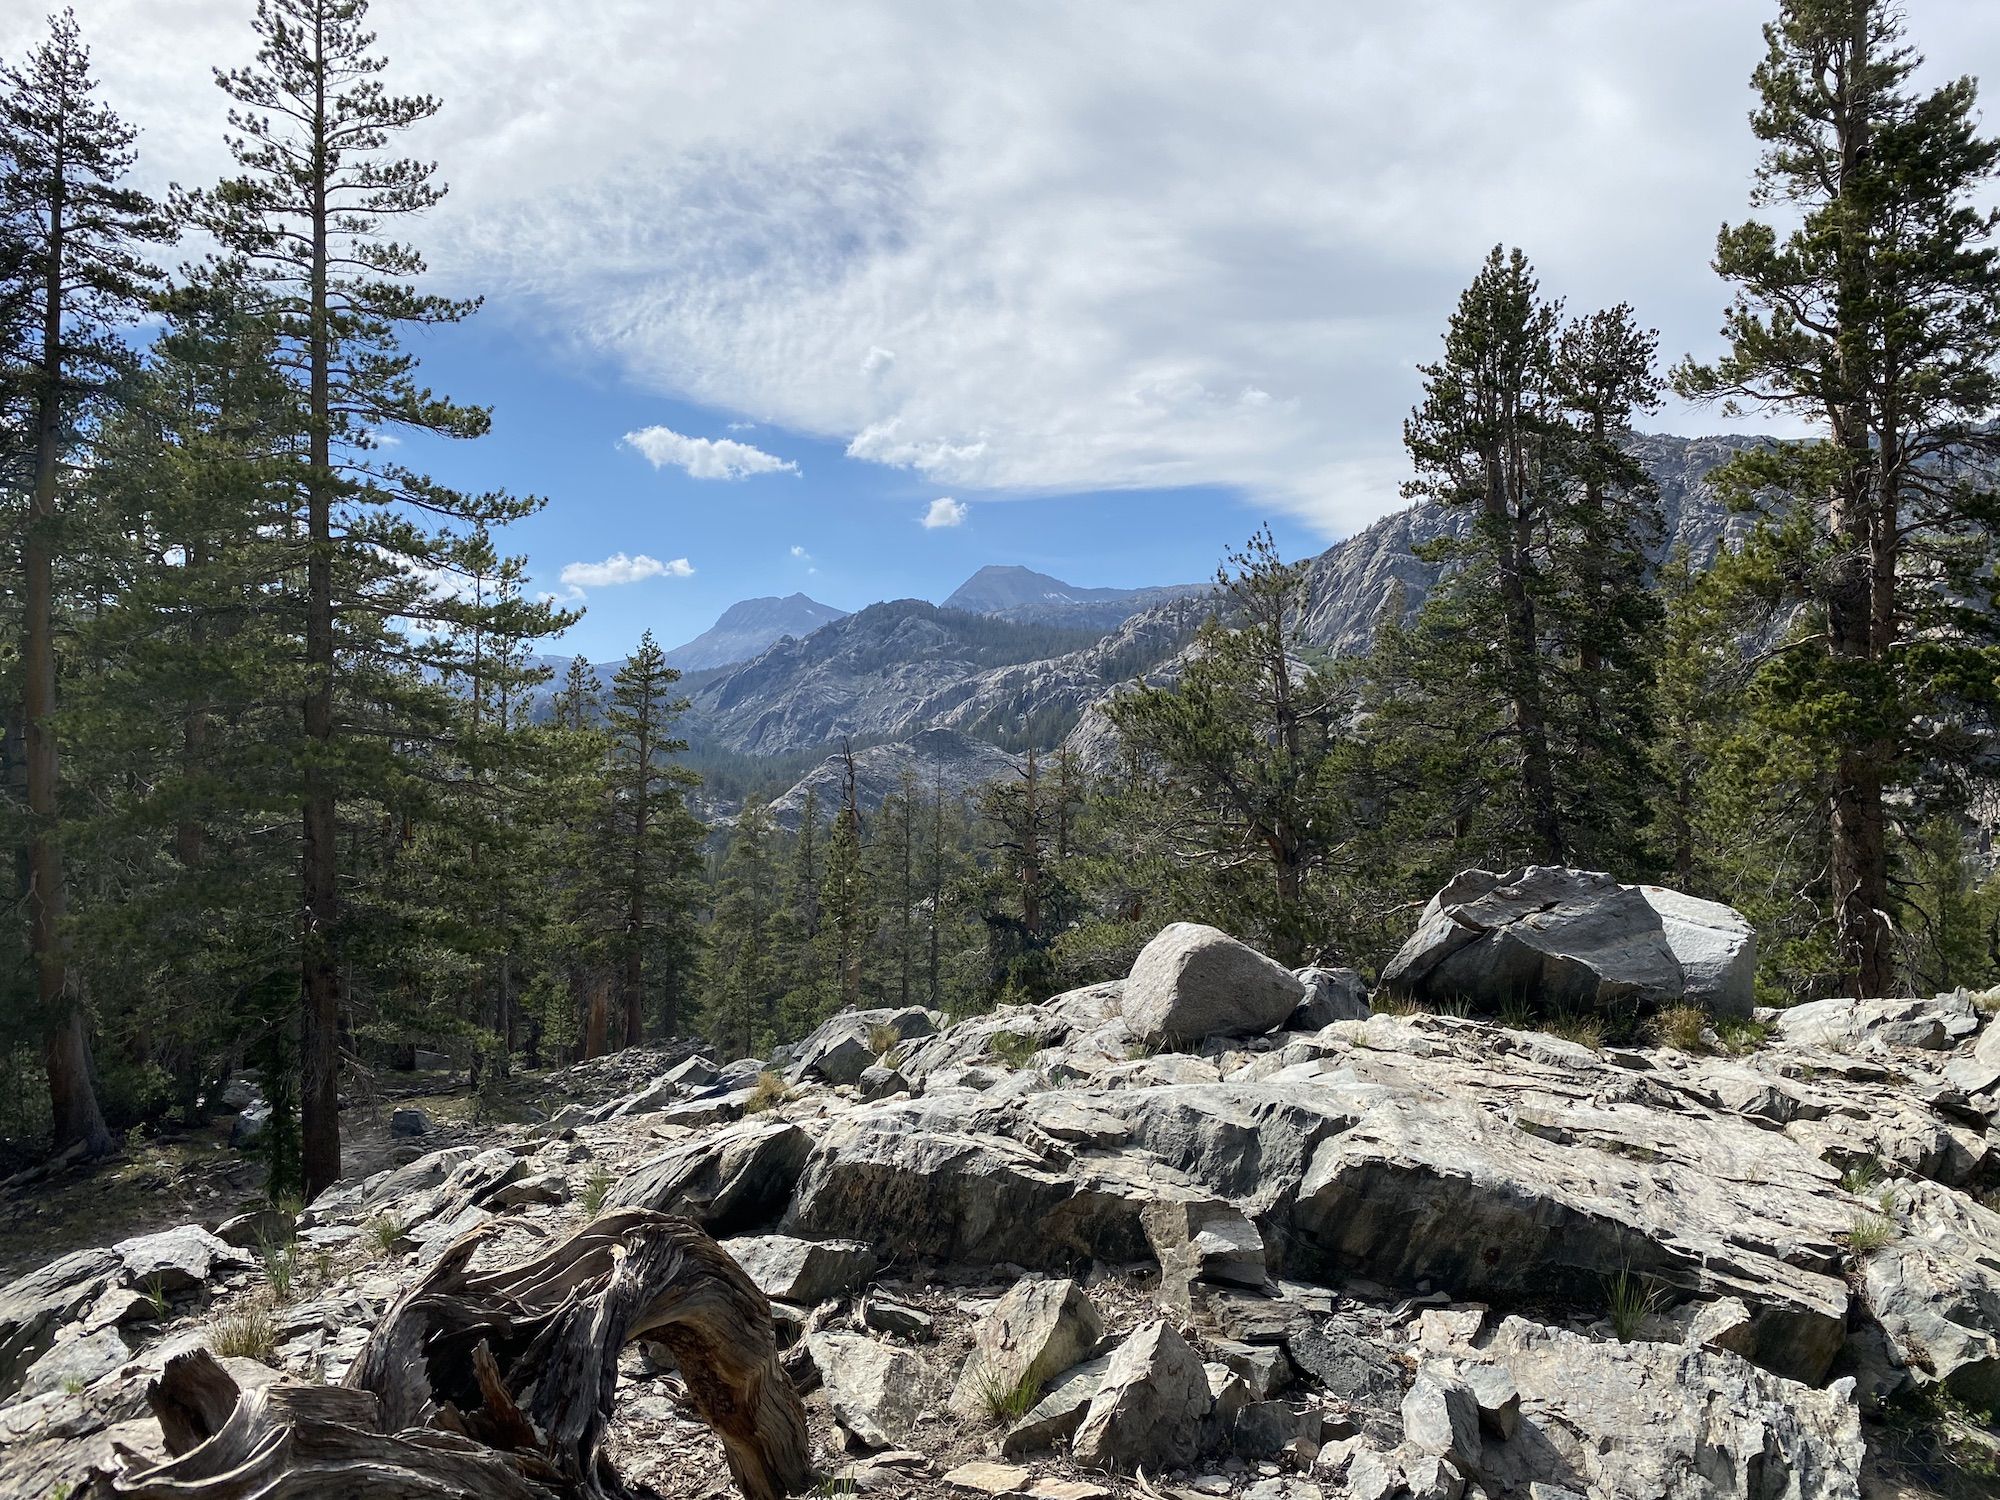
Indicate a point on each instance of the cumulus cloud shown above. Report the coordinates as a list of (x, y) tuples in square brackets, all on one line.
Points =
[(944, 511), (1136, 243), (705, 458), (618, 568)]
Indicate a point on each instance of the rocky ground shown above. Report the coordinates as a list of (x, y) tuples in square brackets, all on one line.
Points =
[(1102, 1246)]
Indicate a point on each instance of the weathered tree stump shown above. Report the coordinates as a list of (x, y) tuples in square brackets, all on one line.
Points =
[(498, 1383)]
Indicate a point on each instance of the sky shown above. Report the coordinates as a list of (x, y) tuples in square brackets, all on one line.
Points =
[(853, 299)]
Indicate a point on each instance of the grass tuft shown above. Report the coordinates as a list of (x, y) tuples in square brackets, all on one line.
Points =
[(882, 1039), (385, 1232), (1006, 1402), (596, 1189), (1014, 1048), (768, 1092), (1863, 1177), (246, 1331), (1867, 1233), (281, 1269), (1682, 1027), (1576, 1026), (1629, 1301), (1740, 1036), (155, 1295)]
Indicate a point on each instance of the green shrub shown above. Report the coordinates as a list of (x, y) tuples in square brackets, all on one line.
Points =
[(597, 1187)]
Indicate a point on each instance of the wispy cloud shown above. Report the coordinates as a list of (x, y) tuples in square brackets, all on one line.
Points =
[(618, 568), (944, 511), (800, 554), (705, 458), (1110, 246)]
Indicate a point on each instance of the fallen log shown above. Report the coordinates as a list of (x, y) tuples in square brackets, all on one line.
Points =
[(497, 1384)]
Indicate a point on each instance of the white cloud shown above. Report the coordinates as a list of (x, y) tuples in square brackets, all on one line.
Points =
[(705, 458), (618, 568), (1126, 244), (944, 512)]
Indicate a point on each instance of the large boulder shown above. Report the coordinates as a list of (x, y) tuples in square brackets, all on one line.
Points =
[(732, 1179), (1034, 1333), (1716, 946), (1935, 1290), (1203, 1239), (1149, 1410), (35, 1306), (1553, 1206), (1665, 1421), (1562, 939), (1056, 1417), (931, 1177), (806, 1272), (847, 1045), (1331, 995), (876, 1391), (1193, 982), (178, 1260)]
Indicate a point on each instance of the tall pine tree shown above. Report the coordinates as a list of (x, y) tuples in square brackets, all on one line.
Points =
[(307, 219), (1871, 311), (73, 234)]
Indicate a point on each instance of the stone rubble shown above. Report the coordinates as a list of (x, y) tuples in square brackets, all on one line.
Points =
[(1381, 1255)]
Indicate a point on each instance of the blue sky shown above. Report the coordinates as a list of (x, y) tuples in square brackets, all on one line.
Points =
[(1122, 279), (559, 422)]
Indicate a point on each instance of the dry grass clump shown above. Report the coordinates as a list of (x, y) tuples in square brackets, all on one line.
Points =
[(768, 1092), (246, 1331)]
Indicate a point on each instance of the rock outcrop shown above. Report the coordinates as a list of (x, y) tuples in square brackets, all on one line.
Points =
[(1555, 939), (1382, 1254)]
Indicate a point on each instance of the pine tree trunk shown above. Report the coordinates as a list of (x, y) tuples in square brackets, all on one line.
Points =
[(73, 1107), (319, 1041), (1524, 670), (1859, 857)]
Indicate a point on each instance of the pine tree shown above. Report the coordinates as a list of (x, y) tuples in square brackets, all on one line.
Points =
[(192, 683), (743, 1017), (1508, 721), (893, 859), (847, 923), (808, 996), (1240, 742), (305, 220), (1875, 317), (655, 840), (73, 235)]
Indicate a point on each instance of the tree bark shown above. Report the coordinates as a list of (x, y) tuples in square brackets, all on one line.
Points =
[(1859, 626), (319, 1041), (498, 1385), (75, 1116)]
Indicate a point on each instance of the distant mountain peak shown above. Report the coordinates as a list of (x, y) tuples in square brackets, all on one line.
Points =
[(1021, 593), (749, 627)]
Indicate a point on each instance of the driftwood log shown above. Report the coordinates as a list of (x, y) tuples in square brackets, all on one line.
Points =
[(498, 1384)]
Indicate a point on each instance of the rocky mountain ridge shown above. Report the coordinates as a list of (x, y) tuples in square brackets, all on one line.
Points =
[(750, 627), (1012, 592)]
